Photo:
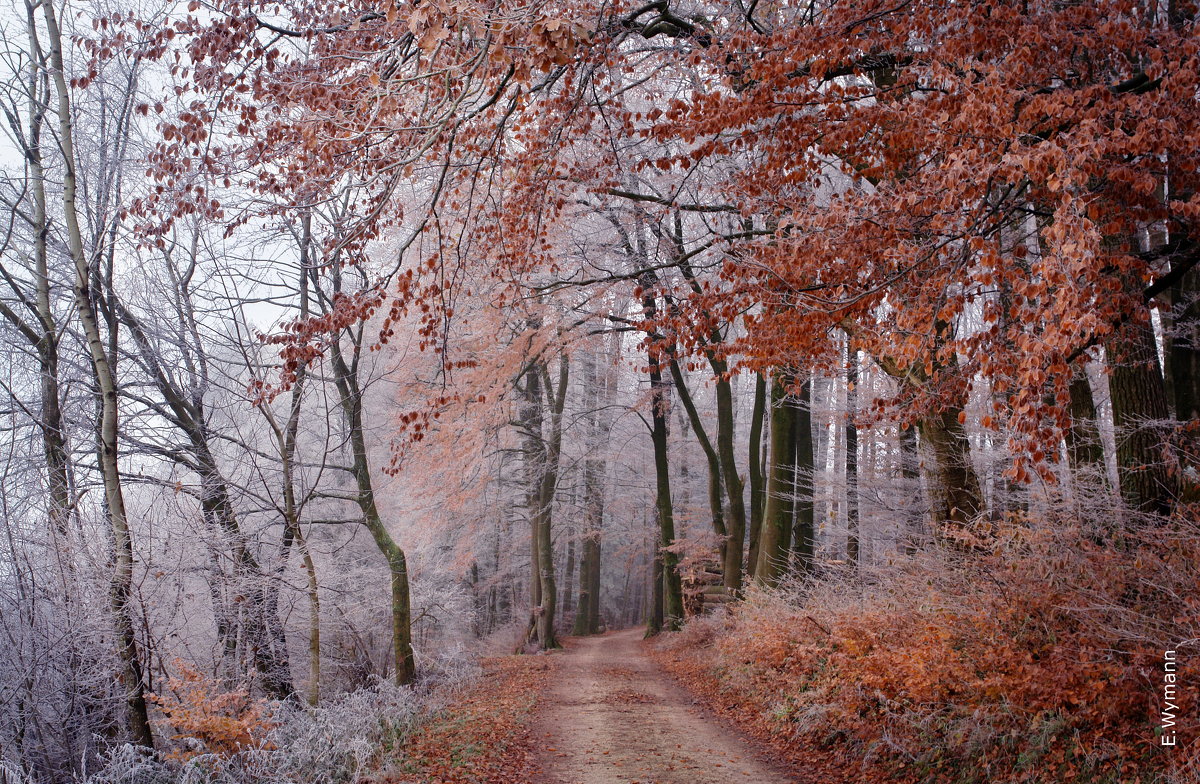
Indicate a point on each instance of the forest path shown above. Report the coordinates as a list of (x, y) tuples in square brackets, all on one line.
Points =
[(611, 716)]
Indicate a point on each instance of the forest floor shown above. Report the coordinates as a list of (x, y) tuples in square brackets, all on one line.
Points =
[(482, 737), (610, 715)]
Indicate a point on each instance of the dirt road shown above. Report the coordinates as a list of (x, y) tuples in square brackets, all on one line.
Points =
[(612, 717)]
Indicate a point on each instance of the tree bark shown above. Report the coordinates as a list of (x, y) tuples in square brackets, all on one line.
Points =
[(672, 597), (1139, 404), (657, 615), (568, 575), (1184, 352), (954, 481), (734, 489), (1085, 452), (544, 517), (54, 440), (776, 532), (910, 469), (350, 398), (1184, 347), (756, 473), (804, 533), (599, 390), (534, 458)]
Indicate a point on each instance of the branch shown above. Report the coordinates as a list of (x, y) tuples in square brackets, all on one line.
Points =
[(285, 31), (670, 203), (1184, 252)]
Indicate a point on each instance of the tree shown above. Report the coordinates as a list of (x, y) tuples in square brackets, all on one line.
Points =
[(775, 547), (906, 246), (804, 534), (37, 322), (853, 544), (177, 364), (1139, 402), (547, 456), (756, 469), (601, 385), (131, 677), (346, 365)]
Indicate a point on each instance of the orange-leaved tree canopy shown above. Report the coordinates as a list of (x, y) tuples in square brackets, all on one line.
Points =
[(990, 191), (973, 192)]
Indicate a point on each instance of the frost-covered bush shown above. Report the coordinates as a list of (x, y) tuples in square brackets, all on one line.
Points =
[(342, 740), (11, 774), (450, 668), (348, 735), (130, 764)]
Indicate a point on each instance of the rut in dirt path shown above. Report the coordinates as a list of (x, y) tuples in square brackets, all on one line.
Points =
[(612, 717)]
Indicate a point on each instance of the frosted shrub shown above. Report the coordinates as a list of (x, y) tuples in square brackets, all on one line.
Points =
[(347, 735), (343, 740), (10, 773), (129, 764), (449, 669)]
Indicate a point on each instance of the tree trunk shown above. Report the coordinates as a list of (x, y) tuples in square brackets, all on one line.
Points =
[(535, 460), (599, 390), (314, 617), (121, 584), (262, 639), (542, 455), (1184, 352), (777, 518), (954, 481), (350, 397), (1085, 452), (710, 454), (587, 618), (287, 437), (852, 534), (1184, 347), (583, 605), (804, 533), (756, 473), (910, 469), (736, 521), (568, 576), (672, 601), (656, 617), (594, 548), (54, 440), (549, 486), (42, 333), (1139, 404)]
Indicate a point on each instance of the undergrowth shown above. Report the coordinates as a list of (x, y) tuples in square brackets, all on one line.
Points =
[(1038, 660), (459, 724)]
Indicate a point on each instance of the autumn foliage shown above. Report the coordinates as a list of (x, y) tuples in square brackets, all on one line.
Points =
[(1042, 661), (209, 720), (978, 198)]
